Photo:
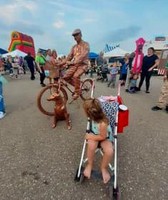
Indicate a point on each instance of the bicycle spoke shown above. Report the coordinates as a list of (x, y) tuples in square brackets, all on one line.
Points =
[(86, 89)]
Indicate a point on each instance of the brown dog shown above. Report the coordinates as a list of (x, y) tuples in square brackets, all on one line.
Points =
[(60, 110)]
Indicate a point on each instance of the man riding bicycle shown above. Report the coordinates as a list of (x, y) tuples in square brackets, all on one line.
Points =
[(78, 61)]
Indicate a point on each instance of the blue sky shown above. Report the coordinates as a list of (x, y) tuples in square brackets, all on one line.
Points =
[(51, 22)]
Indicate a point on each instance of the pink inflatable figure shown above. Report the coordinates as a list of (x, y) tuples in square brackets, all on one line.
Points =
[(138, 59), (136, 65)]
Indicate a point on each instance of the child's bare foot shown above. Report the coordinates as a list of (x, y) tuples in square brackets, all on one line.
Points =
[(53, 125), (106, 175), (87, 171)]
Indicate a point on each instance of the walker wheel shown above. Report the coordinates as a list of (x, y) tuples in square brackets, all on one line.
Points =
[(114, 193), (79, 178)]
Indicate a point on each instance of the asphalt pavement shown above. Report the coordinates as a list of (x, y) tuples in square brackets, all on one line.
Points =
[(40, 163)]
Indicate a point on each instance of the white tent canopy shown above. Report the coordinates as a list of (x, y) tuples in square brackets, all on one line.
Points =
[(60, 55), (117, 52), (15, 53)]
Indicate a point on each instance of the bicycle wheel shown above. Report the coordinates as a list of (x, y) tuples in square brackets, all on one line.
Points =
[(45, 106), (86, 89)]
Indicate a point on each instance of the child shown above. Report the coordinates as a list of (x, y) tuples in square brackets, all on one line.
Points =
[(124, 68), (133, 81), (101, 132), (113, 74)]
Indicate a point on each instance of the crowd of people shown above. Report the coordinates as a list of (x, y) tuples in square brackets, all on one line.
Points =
[(14, 65), (49, 65), (129, 75), (76, 64)]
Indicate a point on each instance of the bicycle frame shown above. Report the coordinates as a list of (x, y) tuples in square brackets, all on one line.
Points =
[(60, 83), (87, 87)]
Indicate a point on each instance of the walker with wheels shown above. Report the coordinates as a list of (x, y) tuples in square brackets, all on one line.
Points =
[(118, 115)]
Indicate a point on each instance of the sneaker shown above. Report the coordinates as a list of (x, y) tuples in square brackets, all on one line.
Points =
[(147, 91), (2, 115), (156, 108)]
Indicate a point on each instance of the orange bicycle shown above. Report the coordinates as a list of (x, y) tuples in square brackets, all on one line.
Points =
[(86, 90)]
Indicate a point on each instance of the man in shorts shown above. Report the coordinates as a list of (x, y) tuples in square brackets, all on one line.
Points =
[(163, 98)]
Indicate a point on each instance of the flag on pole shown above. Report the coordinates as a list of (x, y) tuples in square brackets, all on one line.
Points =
[(110, 48)]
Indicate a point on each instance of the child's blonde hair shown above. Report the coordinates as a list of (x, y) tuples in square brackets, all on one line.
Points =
[(94, 110)]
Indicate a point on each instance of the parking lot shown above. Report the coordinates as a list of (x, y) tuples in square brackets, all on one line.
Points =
[(39, 163)]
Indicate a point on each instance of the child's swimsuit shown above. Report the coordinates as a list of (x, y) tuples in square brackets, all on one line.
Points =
[(95, 130)]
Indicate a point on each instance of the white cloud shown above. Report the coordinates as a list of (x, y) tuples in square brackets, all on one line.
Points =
[(59, 24), (8, 13), (29, 5), (70, 6), (12, 12)]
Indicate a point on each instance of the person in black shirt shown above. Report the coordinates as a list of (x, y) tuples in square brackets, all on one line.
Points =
[(31, 64), (150, 61)]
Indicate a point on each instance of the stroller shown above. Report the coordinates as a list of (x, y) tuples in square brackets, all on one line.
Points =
[(117, 114)]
